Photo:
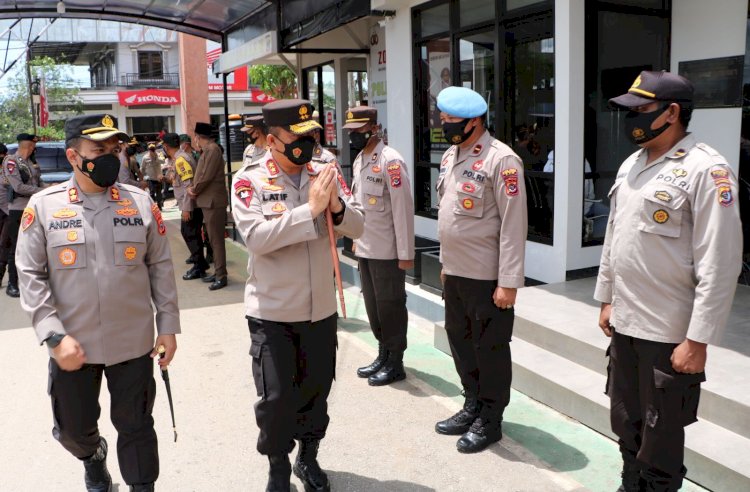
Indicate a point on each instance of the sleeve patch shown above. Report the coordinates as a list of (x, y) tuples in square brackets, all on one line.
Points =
[(244, 191), (344, 186), (27, 218), (184, 169), (159, 219), (394, 173), (11, 166), (510, 177)]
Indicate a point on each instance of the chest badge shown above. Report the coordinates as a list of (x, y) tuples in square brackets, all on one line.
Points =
[(72, 236), (661, 216), (126, 212), (663, 195), (278, 208), (477, 165), (130, 253), (679, 172), (468, 187), (468, 203), (67, 256), (372, 200), (64, 213), (376, 169)]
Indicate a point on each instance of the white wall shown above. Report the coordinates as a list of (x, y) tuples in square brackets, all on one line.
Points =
[(700, 30)]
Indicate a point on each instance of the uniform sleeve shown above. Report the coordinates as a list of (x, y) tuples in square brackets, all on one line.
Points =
[(144, 166), (510, 195), (603, 290), (717, 252), (261, 235), (353, 223), (13, 173), (125, 176), (402, 208), (184, 170), (210, 164), (33, 279), (161, 275)]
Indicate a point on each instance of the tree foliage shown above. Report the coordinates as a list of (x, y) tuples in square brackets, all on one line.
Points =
[(16, 116), (278, 81)]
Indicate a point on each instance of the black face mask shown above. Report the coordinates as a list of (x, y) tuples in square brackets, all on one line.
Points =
[(359, 140), (300, 151), (454, 132), (102, 170), (638, 126)]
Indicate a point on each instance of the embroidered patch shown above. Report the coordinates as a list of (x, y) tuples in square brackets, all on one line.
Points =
[(394, 168), (89, 166), (244, 191), (477, 165), (11, 166), (468, 203), (73, 195), (372, 200), (159, 220), (278, 208), (67, 256), (125, 203), (719, 174), (130, 253), (296, 152), (114, 193), (72, 236), (273, 168), (127, 211), (726, 199), (395, 181), (679, 173), (510, 176), (64, 213), (27, 218), (469, 187), (663, 195), (376, 169), (661, 216), (343, 184), (477, 149), (680, 153)]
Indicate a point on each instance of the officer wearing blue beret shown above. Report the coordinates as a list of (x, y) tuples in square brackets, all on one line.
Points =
[(482, 231)]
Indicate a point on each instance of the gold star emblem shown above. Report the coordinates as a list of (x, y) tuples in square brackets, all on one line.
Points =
[(108, 122)]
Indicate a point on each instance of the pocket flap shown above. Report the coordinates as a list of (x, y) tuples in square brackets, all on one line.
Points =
[(66, 236), (471, 188), (375, 189), (134, 234), (255, 350), (665, 196), (664, 380)]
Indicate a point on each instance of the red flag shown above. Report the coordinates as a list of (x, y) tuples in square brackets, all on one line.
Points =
[(43, 105)]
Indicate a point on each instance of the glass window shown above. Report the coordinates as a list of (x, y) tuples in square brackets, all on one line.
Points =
[(329, 106), (476, 11), (477, 65), (358, 94), (435, 20), (517, 4), (150, 64), (312, 87)]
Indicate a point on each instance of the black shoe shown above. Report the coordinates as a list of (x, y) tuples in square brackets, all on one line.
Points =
[(194, 273), (97, 476), (376, 365), (392, 371), (142, 487), (307, 469), (480, 435), (12, 290), (218, 284), (279, 474), (189, 261), (210, 279), (459, 423)]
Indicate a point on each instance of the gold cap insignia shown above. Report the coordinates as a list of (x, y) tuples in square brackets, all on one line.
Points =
[(108, 122), (303, 112), (636, 82), (350, 115)]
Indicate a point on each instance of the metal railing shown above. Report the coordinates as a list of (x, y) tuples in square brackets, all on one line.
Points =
[(171, 80)]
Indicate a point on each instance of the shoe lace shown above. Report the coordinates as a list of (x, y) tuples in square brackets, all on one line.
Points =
[(477, 427)]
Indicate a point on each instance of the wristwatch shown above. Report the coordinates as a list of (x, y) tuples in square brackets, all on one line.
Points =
[(338, 216), (54, 340)]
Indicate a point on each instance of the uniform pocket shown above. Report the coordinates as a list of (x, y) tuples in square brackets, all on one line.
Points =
[(67, 249), (469, 199), (661, 211), (256, 352), (676, 398), (130, 245), (372, 196)]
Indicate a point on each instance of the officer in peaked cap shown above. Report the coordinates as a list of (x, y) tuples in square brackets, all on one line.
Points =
[(482, 231), (94, 262), (4, 222), (290, 304), (256, 131), (24, 179), (673, 233), (210, 194), (386, 249)]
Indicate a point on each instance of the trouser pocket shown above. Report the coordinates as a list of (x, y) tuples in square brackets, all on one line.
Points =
[(256, 352)]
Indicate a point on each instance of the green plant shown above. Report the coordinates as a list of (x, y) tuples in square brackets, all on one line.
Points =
[(278, 81)]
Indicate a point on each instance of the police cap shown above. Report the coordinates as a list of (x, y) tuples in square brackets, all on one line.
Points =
[(171, 140), (96, 127), (294, 115), (461, 102), (151, 146), (359, 116), (655, 86), (253, 121)]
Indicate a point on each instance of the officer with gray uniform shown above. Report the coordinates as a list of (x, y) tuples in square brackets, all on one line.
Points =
[(668, 272), (4, 229), (151, 169), (181, 173), (482, 231), (256, 131), (93, 259), (386, 249), (278, 206), (23, 181)]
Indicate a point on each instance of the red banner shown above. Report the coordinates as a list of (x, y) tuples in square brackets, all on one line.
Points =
[(43, 105), (149, 96), (258, 96)]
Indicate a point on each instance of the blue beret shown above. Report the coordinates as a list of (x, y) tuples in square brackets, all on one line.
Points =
[(461, 102)]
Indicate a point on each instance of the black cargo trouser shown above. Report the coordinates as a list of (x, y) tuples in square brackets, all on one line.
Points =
[(154, 187), (75, 409), (384, 293), (294, 365), (479, 334), (4, 239), (13, 223), (651, 404), (191, 233)]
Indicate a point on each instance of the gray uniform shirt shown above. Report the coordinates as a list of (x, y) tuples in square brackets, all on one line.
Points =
[(252, 154), (182, 168), (381, 184), (290, 270), (482, 222), (151, 167), (3, 191), (95, 273), (672, 252), (23, 177), (124, 176)]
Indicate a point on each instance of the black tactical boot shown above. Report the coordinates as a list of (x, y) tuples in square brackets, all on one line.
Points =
[(2, 274), (279, 473), (97, 476), (142, 487), (461, 421), (12, 290), (481, 434), (631, 478), (392, 370), (307, 469), (369, 370)]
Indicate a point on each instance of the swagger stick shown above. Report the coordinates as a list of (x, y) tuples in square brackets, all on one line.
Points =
[(335, 258), (165, 376)]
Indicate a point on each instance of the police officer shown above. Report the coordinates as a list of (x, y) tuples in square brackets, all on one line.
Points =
[(4, 229), (128, 165), (93, 258), (186, 145), (386, 249), (151, 169), (182, 166), (210, 194), (23, 181), (482, 231), (668, 272), (278, 204), (256, 131)]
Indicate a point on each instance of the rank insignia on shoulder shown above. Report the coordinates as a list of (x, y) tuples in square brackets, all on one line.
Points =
[(679, 173), (114, 194), (661, 216), (244, 191), (273, 168), (67, 256), (374, 157), (318, 151), (663, 195), (73, 195), (680, 153), (27, 218), (477, 165), (726, 199), (477, 149), (64, 213), (159, 219)]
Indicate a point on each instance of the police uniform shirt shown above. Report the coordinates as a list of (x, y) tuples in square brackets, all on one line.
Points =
[(184, 171), (23, 177), (252, 154), (3, 191), (381, 185), (672, 251), (290, 270), (93, 272), (482, 216), (125, 176), (151, 167)]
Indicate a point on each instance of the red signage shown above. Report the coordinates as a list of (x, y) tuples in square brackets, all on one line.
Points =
[(236, 81), (258, 96), (149, 96)]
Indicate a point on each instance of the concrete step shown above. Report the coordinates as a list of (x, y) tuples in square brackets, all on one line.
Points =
[(716, 458)]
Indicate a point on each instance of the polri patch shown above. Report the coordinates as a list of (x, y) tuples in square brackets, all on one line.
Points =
[(510, 177), (244, 191), (67, 256), (726, 199), (661, 216), (11, 166), (27, 218)]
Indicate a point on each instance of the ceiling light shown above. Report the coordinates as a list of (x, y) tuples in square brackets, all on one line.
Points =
[(60, 7)]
